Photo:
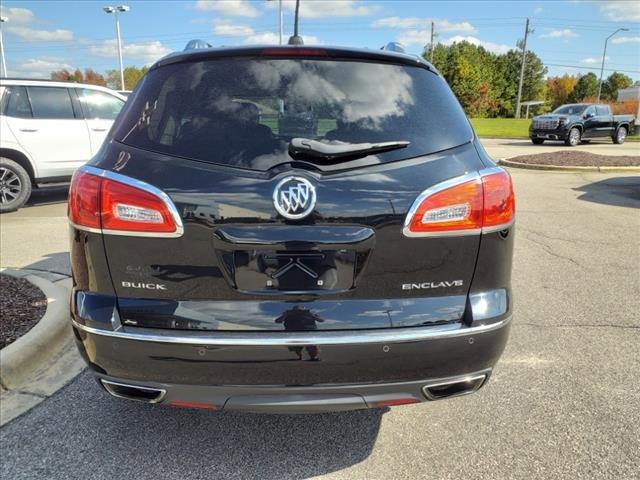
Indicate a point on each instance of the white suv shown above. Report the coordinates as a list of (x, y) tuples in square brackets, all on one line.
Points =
[(47, 130)]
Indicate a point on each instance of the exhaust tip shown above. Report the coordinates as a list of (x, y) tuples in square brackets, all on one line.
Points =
[(454, 388), (133, 392)]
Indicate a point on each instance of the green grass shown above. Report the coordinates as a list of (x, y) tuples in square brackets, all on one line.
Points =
[(510, 128)]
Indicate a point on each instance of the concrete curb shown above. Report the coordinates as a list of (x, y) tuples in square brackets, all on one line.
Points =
[(560, 168), (43, 360)]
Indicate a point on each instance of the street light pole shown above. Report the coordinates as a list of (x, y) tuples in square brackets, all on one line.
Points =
[(603, 59), (116, 10), (281, 20), (4, 61)]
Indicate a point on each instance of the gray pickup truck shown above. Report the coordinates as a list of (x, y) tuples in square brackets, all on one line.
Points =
[(581, 122)]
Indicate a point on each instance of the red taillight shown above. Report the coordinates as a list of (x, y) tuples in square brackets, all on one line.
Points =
[(134, 210), (466, 205), (113, 206), (499, 200), (84, 200)]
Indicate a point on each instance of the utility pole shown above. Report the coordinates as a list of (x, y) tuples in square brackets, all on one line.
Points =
[(524, 58), (431, 44)]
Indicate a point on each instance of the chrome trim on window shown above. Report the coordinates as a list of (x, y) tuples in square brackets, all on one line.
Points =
[(443, 186), (391, 335), (117, 177)]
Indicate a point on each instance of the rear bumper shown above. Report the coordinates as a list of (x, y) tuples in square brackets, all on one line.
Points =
[(294, 371)]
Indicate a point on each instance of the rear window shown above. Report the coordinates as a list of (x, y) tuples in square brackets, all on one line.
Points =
[(245, 111)]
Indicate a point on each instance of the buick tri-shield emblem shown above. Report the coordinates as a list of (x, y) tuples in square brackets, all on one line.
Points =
[(294, 197)]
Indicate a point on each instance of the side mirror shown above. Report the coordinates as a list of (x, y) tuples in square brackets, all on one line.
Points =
[(589, 115)]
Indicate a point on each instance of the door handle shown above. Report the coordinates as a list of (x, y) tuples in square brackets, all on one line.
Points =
[(28, 129), (99, 129)]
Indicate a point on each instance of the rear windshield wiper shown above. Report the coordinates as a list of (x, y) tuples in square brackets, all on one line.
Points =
[(308, 149)]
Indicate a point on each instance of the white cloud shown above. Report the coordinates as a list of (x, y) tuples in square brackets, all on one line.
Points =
[(490, 46), (440, 24), (592, 60), (226, 28), (232, 8), (621, 11), (413, 37), (32, 35), (419, 37), (17, 15), (39, 67), (564, 33), (18, 25), (329, 8), (625, 40), (147, 52)]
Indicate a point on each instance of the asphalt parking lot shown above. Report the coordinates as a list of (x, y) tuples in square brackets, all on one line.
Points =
[(564, 402)]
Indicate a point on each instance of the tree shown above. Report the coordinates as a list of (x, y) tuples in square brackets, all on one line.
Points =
[(614, 82), (559, 89), (132, 76), (89, 76), (586, 86), (486, 83)]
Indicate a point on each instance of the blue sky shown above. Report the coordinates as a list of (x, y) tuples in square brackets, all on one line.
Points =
[(41, 36)]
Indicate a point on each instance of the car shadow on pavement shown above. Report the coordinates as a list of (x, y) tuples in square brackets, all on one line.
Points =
[(618, 191), (112, 438), (58, 263), (47, 196)]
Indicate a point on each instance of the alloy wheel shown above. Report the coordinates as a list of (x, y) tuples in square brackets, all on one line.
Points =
[(574, 137), (10, 186)]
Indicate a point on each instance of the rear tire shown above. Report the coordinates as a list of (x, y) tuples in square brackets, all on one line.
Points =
[(620, 136), (15, 185), (573, 139), (537, 141)]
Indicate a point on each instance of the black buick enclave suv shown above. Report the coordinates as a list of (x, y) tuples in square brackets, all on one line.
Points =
[(291, 229)]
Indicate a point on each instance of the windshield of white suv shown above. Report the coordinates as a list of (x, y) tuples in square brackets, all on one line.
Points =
[(245, 111)]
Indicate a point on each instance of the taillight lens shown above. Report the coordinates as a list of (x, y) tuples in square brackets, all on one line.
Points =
[(456, 208), (130, 209), (464, 206), (499, 200), (112, 206), (84, 200)]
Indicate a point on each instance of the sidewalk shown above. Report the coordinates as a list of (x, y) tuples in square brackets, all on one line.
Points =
[(45, 359)]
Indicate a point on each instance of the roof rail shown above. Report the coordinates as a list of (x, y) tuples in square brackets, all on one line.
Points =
[(196, 44), (394, 47)]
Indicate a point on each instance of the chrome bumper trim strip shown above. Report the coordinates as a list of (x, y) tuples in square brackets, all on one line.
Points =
[(287, 339)]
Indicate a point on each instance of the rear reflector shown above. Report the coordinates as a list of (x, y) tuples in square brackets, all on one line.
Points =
[(466, 205), (199, 405), (111, 203), (392, 402)]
